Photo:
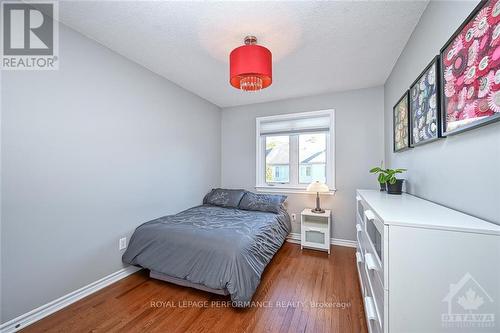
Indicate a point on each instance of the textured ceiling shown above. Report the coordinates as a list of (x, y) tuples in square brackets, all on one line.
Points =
[(317, 47)]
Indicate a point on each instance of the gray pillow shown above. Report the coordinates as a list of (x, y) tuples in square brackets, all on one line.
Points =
[(262, 202), (224, 197)]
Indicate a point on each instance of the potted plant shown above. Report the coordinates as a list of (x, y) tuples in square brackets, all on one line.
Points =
[(394, 185), (381, 176)]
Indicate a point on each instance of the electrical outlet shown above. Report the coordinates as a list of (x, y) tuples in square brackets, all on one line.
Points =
[(294, 217), (122, 244)]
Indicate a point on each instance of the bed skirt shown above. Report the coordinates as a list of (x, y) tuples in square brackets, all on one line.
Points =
[(186, 283)]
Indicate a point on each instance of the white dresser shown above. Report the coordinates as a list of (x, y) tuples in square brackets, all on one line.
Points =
[(424, 267)]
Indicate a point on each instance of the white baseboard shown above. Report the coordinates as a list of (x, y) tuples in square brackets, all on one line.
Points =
[(343, 242), (34, 315), (294, 237)]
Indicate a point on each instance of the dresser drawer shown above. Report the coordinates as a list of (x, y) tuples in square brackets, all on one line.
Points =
[(372, 320), (370, 234), (362, 239), (359, 235), (375, 327), (360, 264), (360, 209), (374, 268), (376, 290), (374, 246), (360, 221)]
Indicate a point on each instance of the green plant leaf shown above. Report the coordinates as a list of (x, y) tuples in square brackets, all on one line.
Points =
[(375, 170), (381, 178)]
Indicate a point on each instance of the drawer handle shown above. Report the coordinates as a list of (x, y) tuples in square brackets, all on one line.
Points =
[(371, 313), (369, 215), (371, 264), (359, 259)]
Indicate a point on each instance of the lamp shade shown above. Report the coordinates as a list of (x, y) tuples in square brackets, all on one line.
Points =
[(250, 66), (317, 187)]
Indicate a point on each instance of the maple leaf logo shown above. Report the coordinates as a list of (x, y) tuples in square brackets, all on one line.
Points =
[(471, 301)]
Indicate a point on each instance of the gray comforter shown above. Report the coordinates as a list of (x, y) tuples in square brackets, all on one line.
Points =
[(221, 248)]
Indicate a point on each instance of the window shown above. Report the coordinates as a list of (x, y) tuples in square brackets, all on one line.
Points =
[(294, 150), (277, 159), (312, 157)]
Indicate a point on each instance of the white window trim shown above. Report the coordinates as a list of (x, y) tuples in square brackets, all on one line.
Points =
[(262, 186)]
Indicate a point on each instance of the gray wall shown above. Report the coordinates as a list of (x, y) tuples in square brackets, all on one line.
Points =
[(461, 171), (359, 146), (88, 153)]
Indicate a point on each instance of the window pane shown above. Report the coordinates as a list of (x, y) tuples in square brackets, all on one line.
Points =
[(277, 159), (312, 158)]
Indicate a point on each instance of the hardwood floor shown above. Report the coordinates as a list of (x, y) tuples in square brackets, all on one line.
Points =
[(300, 291)]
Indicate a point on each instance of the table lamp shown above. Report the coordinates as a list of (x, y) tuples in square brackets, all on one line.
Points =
[(317, 187)]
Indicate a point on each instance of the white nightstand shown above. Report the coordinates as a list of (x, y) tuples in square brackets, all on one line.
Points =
[(315, 230)]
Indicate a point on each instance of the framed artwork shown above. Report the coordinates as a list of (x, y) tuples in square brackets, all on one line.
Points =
[(470, 75), (424, 106), (401, 124)]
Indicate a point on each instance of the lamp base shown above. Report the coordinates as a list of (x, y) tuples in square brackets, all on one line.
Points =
[(318, 209)]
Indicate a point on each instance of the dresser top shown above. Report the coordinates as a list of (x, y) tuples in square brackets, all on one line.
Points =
[(408, 210)]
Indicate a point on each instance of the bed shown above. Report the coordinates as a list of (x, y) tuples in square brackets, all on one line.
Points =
[(217, 248)]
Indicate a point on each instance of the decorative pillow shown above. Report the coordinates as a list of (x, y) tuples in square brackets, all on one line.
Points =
[(224, 197), (262, 202)]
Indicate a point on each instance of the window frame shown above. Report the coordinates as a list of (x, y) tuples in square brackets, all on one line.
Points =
[(294, 166)]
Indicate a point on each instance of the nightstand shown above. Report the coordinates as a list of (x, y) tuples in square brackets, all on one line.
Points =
[(315, 230)]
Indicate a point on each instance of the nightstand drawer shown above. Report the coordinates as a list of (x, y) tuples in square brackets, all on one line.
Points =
[(315, 221), (315, 235)]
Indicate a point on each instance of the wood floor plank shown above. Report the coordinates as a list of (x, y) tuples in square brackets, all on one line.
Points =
[(293, 283)]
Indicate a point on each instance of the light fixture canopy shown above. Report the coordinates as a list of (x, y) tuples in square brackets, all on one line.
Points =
[(250, 66)]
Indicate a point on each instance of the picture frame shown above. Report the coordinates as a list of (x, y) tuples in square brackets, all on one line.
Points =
[(469, 72), (425, 106), (401, 124)]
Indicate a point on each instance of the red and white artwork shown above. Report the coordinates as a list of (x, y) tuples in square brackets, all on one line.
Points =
[(470, 71)]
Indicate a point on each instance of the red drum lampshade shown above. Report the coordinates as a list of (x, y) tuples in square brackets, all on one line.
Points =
[(250, 66)]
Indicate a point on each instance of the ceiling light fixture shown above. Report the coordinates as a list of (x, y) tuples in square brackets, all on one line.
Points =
[(250, 66)]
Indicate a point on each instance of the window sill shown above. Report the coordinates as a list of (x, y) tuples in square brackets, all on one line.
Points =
[(290, 190)]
